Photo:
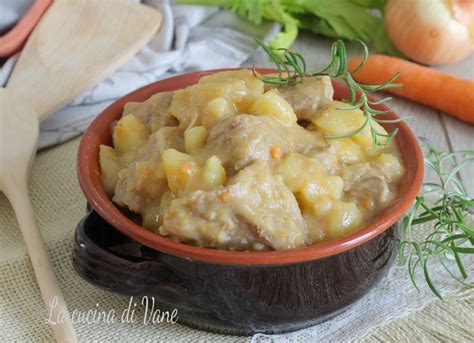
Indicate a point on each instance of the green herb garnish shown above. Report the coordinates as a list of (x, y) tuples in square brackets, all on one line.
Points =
[(452, 236), (292, 69)]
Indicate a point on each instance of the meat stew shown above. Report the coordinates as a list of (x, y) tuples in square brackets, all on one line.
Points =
[(226, 164)]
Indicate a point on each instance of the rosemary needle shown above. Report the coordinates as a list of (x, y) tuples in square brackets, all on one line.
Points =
[(292, 69)]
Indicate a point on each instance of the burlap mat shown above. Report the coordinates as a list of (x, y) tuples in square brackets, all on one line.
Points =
[(59, 205)]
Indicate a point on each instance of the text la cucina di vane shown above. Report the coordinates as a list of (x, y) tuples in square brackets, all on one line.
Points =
[(151, 314)]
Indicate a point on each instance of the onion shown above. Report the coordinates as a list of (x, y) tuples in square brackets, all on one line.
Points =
[(431, 31)]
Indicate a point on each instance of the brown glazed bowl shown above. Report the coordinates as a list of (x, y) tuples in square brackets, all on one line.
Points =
[(227, 291)]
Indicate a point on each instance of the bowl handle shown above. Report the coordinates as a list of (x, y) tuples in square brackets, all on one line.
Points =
[(112, 261)]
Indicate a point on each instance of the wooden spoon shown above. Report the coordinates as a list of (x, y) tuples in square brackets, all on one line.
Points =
[(76, 45), (18, 137)]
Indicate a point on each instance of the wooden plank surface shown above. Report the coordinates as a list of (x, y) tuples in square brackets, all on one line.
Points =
[(447, 133), (461, 135)]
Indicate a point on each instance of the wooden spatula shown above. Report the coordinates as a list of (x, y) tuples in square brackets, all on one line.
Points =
[(76, 44)]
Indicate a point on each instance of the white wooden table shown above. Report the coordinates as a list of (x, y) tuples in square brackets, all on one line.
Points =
[(445, 132)]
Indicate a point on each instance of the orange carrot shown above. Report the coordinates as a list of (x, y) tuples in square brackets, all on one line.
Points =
[(428, 86)]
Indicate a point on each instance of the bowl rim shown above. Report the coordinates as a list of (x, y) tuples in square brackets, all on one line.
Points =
[(88, 172), (13, 40)]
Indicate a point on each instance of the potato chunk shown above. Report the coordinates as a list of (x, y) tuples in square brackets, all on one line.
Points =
[(213, 173), (272, 104), (130, 134), (240, 88), (297, 169), (185, 175), (180, 170), (330, 186), (343, 217), (321, 205), (150, 216), (348, 151), (337, 122), (195, 138), (153, 213), (365, 136), (216, 110), (109, 167), (390, 166), (254, 87)]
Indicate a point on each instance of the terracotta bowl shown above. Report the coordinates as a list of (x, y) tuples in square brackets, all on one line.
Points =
[(13, 40), (233, 292)]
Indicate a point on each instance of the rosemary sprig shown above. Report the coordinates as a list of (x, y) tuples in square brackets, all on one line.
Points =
[(452, 236), (292, 69)]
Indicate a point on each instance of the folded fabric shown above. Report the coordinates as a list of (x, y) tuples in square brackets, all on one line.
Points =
[(190, 38)]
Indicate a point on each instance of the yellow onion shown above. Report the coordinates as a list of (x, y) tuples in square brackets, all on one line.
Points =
[(431, 31)]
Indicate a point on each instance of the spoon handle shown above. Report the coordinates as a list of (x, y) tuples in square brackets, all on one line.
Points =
[(58, 315)]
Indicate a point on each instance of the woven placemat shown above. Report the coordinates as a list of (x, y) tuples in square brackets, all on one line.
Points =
[(59, 205)]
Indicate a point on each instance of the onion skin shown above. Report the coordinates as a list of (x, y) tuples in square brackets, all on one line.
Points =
[(427, 32)]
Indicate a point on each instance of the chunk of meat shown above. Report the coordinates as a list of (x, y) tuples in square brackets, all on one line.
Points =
[(164, 138), (238, 141), (328, 158), (254, 209), (138, 185), (353, 174), (367, 183), (375, 190), (264, 201), (144, 179), (154, 112), (308, 97), (201, 218)]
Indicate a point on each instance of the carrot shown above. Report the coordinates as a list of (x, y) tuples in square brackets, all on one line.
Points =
[(430, 87)]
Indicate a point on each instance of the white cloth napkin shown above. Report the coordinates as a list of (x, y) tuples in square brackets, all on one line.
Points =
[(190, 38)]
